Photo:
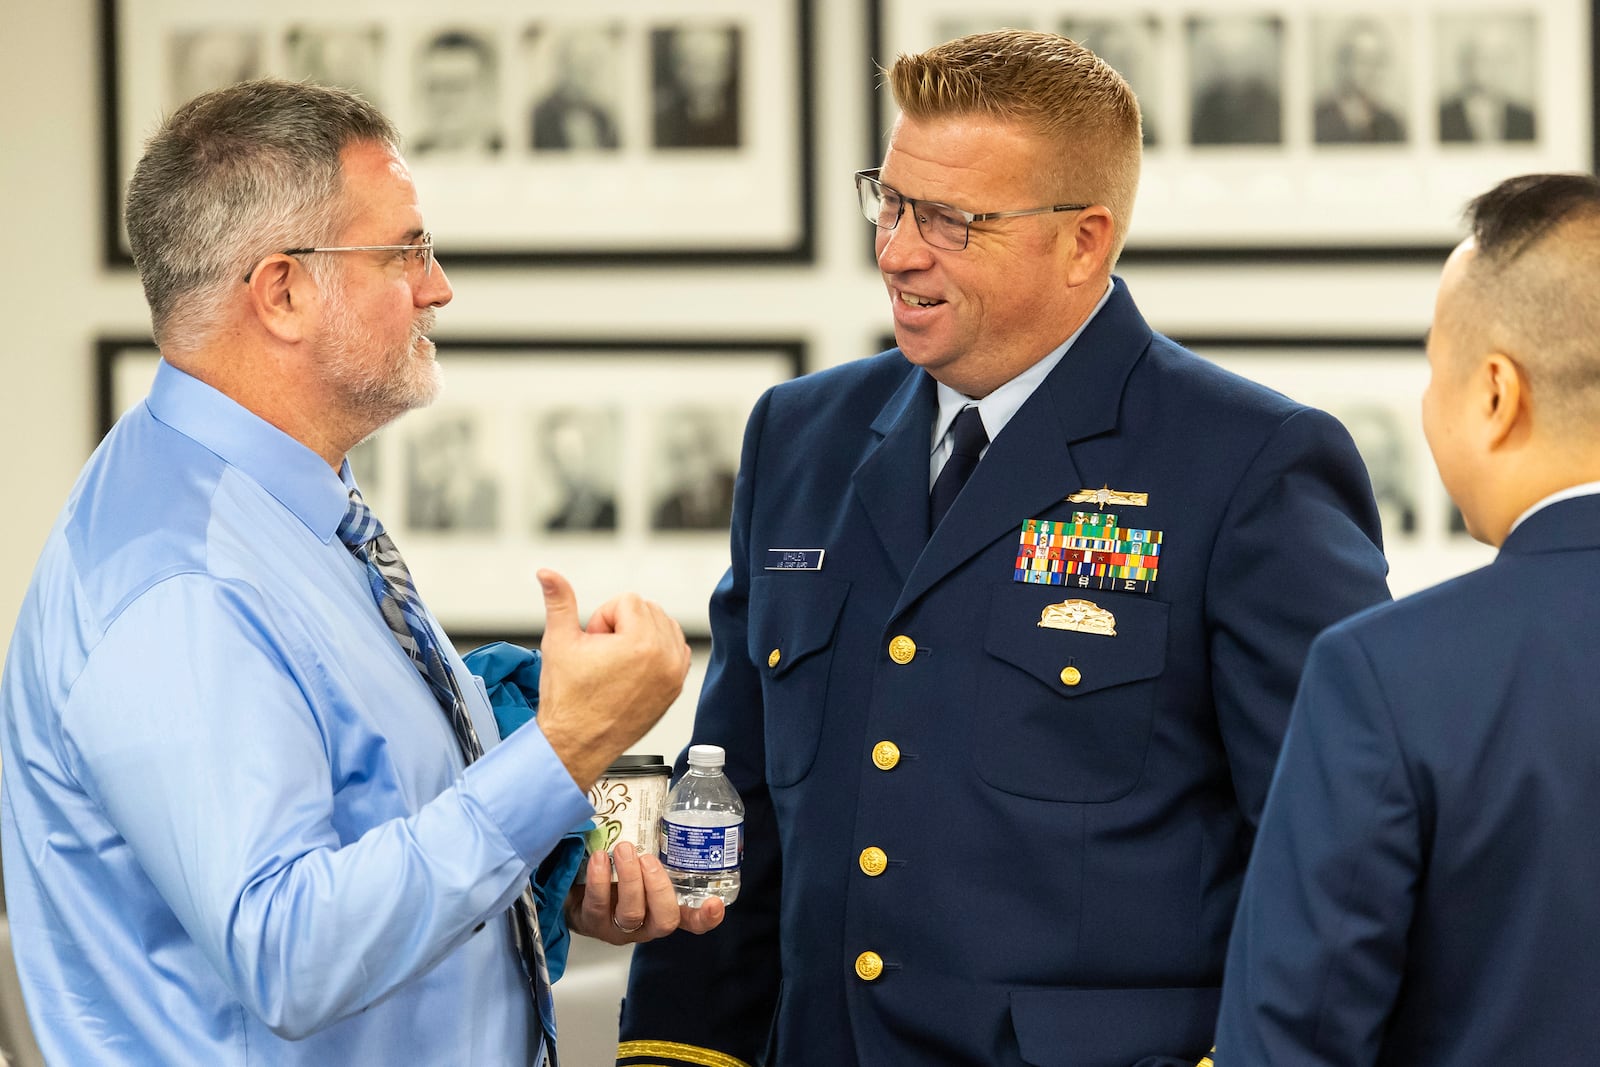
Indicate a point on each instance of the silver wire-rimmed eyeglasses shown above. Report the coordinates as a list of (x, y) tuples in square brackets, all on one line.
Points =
[(941, 225)]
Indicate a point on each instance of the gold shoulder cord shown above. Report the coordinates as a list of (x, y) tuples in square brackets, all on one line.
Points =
[(678, 1053), (707, 1058)]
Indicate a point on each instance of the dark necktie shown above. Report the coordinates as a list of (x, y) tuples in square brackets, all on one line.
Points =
[(398, 603), (970, 439)]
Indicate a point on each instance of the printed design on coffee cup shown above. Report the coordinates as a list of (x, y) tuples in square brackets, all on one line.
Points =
[(609, 798), (601, 836)]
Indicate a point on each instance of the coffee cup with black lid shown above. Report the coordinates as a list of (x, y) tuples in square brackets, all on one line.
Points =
[(627, 803)]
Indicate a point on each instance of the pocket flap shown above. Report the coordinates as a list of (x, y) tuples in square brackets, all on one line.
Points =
[(793, 615), (1138, 651), (1092, 1027)]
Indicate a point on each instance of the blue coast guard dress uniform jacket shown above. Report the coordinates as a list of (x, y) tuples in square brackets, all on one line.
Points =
[(973, 839)]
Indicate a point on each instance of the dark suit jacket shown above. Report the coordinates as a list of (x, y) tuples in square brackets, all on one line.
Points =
[(1250, 113), (1330, 125), (549, 127), (1426, 885), (1062, 860), (1516, 122)]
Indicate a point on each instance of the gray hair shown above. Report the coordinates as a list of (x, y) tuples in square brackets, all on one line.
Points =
[(232, 176)]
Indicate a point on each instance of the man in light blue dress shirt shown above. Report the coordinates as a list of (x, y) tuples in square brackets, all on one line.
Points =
[(238, 828)]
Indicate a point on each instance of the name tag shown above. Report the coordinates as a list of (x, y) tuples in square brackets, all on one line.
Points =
[(794, 559)]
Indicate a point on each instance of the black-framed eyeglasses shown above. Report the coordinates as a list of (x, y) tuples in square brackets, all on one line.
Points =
[(419, 253), (941, 225)]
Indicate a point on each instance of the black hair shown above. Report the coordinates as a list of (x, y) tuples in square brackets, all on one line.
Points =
[(1513, 216)]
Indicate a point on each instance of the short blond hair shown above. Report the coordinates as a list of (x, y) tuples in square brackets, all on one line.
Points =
[(1051, 84)]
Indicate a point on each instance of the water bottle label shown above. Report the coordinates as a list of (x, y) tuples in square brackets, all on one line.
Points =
[(702, 848)]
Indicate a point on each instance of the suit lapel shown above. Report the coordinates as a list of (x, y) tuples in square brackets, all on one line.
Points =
[(892, 481), (1028, 468)]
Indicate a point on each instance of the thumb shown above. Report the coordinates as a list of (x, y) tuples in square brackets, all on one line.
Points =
[(560, 606)]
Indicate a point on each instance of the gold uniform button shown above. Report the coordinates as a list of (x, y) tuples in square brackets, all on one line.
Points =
[(1071, 676), (868, 966), (773, 657), (902, 650), (885, 754), (873, 861)]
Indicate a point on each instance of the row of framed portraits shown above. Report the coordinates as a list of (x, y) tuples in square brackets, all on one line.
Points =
[(523, 463), (551, 133), (537, 133)]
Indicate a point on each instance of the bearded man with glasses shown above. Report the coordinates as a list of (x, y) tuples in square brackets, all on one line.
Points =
[(256, 810), (1015, 615)]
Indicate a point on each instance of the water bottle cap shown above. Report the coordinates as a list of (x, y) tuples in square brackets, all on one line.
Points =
[(706, 755)]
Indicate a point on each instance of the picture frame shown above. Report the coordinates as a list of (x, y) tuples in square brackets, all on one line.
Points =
[(558, 135), (1285, 130), (1373, 385), (609, 460)]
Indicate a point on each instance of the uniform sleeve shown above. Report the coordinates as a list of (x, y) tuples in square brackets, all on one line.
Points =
[(709, 1000), (1300, 549), (1319, 942), (206, 754)]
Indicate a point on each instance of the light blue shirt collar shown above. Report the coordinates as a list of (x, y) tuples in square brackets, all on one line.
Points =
[(290, 472), (998, 407)]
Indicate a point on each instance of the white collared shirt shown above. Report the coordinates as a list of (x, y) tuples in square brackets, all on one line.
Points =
[(997, 408)]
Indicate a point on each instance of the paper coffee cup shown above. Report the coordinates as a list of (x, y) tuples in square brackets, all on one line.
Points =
[(627, 803)]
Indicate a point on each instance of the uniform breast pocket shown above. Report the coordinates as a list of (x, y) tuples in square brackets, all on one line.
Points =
[(793, 618), (1068, 714)]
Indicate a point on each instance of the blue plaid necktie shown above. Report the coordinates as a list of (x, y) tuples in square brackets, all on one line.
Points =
[(969, 441), (398, 603)]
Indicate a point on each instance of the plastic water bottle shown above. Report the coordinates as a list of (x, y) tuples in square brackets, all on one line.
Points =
[(702, 831)]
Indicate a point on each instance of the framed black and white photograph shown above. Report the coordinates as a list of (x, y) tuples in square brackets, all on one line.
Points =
[(1132, 44), (1487, 77), (1315, 131), (1236, 79), (346, 54), (542, 133), (573, 86), (611, 461), (694, 452), (1374, 387), (456, 84), (1361, 91), (695, 75)]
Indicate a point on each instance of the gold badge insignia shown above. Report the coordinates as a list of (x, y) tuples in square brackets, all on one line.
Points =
[(1102, 496), (1082, 616)]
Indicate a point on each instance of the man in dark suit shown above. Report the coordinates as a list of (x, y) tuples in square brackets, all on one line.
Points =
[(1423, 885), (1354, 111), (1012, 756), (1481, 108), (1237, 63), (576, 113)]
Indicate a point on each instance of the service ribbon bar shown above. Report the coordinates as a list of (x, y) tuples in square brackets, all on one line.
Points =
[(1090, 552)]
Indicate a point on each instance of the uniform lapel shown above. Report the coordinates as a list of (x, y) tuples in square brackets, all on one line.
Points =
[(892, 481), (1028, 468)]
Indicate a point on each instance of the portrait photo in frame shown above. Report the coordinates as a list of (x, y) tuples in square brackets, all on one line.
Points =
[(1374, 387), (544, 133), (610, 461), (1313, 130)]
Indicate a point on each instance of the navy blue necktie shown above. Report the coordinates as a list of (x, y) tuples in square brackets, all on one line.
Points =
[(398, 603), (970, 440)]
